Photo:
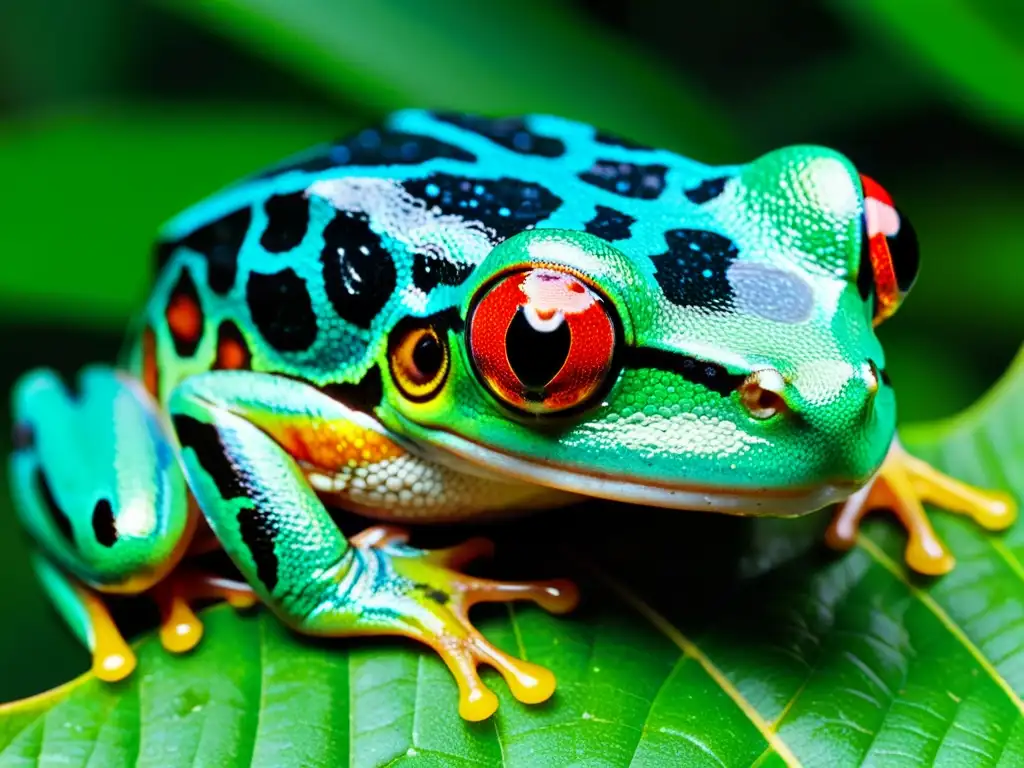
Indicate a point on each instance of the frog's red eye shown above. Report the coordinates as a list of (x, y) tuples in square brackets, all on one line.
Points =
[(889, 254), (541, 340)]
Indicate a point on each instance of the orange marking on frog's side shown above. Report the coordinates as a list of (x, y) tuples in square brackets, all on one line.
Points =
[(232, 351), (231, 356), (334, 444), (184, 318)]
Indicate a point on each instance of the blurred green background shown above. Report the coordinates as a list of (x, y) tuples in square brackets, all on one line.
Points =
[(114, 114)]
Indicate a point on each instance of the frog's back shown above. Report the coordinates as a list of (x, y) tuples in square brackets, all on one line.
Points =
[(304, 268)]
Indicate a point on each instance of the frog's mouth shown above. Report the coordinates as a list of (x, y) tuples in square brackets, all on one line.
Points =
[(469, 457)]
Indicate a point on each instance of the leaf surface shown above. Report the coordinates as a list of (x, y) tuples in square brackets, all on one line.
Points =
[(78, 244), (531, 56), (704, 640)]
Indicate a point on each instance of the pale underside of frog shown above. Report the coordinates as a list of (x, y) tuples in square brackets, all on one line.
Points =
[(453, 317)]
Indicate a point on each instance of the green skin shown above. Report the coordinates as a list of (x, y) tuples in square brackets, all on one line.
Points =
[(653, 435)]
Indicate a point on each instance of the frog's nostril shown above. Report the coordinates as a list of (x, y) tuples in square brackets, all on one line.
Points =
[(872, 376), (761, 393)]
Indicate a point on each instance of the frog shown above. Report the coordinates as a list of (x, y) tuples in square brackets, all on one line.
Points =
[(450, 317)]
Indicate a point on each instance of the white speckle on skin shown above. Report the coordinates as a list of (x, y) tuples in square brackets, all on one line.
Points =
[(829, 185)]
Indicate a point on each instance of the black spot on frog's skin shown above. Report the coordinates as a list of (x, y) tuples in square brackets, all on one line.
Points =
[(257, 527), (218, 242), (884, 376), (359, 272), (609, 224), (287, 221), (505, 205), (693, 272), (281, 310), (430, 271), (707, 190), (645, 182), (211, 454), (602, 137), (104, 527), (363, 395), (508, 132), (439, 596), (59, 517), (374, 146), (258, 530), (23, 436), (707, 374)]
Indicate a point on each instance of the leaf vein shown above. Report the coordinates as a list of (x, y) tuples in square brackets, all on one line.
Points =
[(690, 648), (867, 544)]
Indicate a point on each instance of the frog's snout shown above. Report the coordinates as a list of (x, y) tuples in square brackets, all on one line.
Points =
[(766, 393)]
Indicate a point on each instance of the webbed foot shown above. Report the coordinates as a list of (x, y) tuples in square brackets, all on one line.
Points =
[(87, 615), (112, 658), (902, 484), (432, 601), (180, 628)]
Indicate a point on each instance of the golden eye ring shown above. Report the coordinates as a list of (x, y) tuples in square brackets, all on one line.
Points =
[(419, 360)]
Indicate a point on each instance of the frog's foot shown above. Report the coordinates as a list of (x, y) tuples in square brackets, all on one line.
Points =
[(438, 615), (112, 659), (87, 615), (180, 628), (902, 484)]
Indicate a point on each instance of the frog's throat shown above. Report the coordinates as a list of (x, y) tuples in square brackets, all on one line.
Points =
[(469, 457)]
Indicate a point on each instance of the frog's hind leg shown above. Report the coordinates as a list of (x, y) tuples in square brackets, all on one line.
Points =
[(97, 483), (242, 435), (902, 484)]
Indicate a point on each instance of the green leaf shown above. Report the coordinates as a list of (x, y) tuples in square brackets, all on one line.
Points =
[(705, 640), (531, 56), (81, 57), (972, 47), (89, 191)]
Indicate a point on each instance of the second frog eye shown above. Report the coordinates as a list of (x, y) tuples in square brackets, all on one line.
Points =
[(542, 340)]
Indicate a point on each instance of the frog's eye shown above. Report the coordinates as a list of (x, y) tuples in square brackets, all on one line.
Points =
[(889, 255), (541, 340), (419, 359)]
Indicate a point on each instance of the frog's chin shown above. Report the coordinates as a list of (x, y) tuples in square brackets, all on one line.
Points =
[(472, 458)]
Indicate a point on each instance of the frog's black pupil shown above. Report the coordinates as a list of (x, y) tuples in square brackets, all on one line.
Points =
[(905, 255), (536, 356), (427, 356)]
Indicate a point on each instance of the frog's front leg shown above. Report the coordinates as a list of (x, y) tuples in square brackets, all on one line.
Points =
[(97, 484), (902, 484), (245, 439)]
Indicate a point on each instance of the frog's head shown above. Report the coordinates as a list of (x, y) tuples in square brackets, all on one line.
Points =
[(723, 357)]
